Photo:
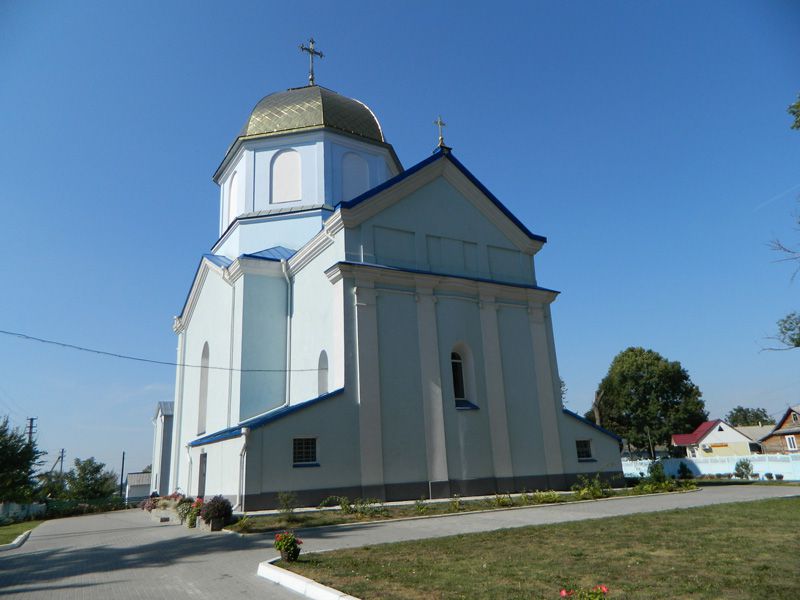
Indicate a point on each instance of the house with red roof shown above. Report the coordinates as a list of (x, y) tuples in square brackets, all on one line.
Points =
[(714, 438)]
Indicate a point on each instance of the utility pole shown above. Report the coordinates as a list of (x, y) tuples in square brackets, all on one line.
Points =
[(31, 428), (61, 458), (121, 475)]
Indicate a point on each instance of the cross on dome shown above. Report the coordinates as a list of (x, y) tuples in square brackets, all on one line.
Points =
[(312, 52)]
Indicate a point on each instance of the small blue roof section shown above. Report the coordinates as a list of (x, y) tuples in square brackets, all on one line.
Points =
[(590, 424), (274, 253), (442, 154), (261, 421), (216, 259)]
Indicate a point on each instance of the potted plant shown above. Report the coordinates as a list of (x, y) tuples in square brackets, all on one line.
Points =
[(288, 545), (216, 513)]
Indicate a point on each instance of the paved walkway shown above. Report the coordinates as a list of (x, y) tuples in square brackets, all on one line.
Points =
[(124, 555)]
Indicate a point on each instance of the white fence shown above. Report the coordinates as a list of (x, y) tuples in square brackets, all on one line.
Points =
[(18, 512), (787, 465)]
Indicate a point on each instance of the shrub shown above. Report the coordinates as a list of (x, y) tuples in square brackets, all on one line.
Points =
[(329, 501), (779, 476), (244, 525), (420, 506), (194, 512), (593, 488), (684, 472), (369, 507), (149, 504), (216, 508), (287, 502), (184, 508), (288, 545), (503, 500), (768, 476), (743, 469), (655, 472), (546, 497), (344, 505), (456, 504)]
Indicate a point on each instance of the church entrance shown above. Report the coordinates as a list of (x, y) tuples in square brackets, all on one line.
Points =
[(201, 478)]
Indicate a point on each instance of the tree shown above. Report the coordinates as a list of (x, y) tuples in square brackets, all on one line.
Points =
[(748, 416), (18, 461), (794, 110), (52, 486), (645, 398), (88, 480), (789, 326)]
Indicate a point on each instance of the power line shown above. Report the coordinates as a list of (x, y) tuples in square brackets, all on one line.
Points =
[(32, 338)]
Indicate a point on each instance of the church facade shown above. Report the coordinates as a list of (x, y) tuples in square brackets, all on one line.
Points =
[(365, 330)]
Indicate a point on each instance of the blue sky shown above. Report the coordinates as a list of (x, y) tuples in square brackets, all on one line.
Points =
[(649, 141)]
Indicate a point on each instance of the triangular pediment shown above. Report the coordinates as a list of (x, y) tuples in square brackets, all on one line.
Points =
[(442, 166)]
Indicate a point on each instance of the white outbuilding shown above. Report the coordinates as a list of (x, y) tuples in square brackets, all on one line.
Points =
[(366, 330)]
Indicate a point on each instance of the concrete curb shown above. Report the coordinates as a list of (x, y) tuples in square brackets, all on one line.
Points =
[(299, 584), (20, 539)]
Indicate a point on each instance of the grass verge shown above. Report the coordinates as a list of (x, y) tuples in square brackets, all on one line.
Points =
[(741, 551), (8, 533)]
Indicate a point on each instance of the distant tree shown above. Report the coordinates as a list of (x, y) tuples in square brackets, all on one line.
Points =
[(748, 416), (88, 480), (645, 399), (147, 469), (563, 392), (52, 486), (18, 461), (794, 110)]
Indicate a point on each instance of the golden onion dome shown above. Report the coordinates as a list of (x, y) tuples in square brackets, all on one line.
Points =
[(311, 107)]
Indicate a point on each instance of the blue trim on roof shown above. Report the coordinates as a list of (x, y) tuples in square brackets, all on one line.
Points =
[(265, 419), (595, 425), (274, 253), (526, 286), (446, 154)]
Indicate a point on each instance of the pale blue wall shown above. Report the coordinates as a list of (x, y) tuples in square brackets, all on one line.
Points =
[(469, 452), (402, 417), (263, 344), (259, 233), (436, 229), (519, 379)]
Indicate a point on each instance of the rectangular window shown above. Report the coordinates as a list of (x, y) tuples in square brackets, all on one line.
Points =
[(791, 442), (794, 418), (304, 451), (584, 448)]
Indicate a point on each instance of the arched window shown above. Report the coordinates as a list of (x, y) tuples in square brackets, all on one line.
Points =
[(355, 176), (233, 197), (203, 399), (322, 374), (285, 176), (463, 384)]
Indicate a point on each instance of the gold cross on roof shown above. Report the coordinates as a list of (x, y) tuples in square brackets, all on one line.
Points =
[(439, 123), (312, 52)]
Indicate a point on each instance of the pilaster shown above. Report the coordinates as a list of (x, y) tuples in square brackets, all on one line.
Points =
[(495, 389), (545, 388), (430, 373)]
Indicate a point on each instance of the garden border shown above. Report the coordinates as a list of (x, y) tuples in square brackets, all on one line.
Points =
[(18, 541), (298, 583)]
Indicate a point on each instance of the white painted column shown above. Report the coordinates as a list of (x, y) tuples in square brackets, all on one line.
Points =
[(430, 373), (177, 416), (369, 390), (495, 389), (549, 405)]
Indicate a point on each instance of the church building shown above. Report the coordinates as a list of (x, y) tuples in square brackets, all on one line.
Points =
[(366, 330)]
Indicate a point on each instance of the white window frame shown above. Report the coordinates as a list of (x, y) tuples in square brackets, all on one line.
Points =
[(791, 443)]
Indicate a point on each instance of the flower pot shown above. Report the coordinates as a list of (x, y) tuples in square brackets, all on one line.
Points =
[(215, 524)]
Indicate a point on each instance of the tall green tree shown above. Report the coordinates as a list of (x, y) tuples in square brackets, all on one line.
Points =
[(18, 461), (794, 110), (645, 398), (748, 416), (89, 480)]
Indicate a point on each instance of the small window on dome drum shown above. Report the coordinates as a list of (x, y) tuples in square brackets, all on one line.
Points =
[(285, 177)]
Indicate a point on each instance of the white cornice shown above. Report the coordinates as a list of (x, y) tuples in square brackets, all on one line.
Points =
[(318, 244), (442, 283)]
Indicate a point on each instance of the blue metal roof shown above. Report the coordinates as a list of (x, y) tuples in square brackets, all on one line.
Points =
[(274, 253), (442, 155), (219, 260), (260, 421), (595, 425)]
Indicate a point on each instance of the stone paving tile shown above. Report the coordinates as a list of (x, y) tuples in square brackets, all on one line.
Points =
[(124, 555)]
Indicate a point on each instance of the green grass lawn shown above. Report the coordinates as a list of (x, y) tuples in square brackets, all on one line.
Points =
[(8, 533), (743, 550)]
